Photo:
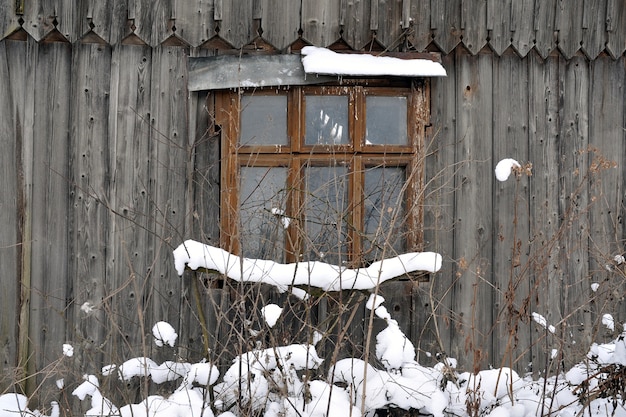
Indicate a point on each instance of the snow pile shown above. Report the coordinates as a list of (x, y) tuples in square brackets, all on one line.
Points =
[(504, 168), (285, 381), (328, 277), (271, 313), (163, 334), (17, 405), (324, 61)]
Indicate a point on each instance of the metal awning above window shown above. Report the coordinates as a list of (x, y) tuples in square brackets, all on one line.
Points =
[(314, 66)]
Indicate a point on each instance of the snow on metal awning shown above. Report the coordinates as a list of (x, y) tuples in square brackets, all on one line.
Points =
[(314, 66)]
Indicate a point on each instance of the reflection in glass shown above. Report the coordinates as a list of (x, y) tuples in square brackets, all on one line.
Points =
[(263, 199), (386, 121), (325, 205), (326, 120), (263, 120), (384, 213)]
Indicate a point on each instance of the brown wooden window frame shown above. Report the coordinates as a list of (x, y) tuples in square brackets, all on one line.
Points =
[(356, 155)]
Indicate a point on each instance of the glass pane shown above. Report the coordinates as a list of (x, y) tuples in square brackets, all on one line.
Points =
[(325, 204), (326, 120), (263, 120), (384, 213), (262, 204), (386, 121)]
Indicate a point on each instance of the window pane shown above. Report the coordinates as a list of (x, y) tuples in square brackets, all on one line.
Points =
[(263, 200), (325, 204), (263, 120), (384, 213), (326, 120), (386, 121)]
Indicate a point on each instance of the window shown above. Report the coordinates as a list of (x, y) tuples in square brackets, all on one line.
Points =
[(330, 173)]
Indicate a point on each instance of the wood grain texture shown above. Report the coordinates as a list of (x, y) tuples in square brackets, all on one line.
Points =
[(511, 277), (11, 138), (471, 293)]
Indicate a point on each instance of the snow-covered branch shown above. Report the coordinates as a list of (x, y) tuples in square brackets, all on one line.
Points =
[(194, 255)]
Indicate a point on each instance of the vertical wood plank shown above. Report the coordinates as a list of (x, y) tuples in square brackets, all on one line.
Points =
[(594, 29), (89, 197), (522, 20), (511, 276), (420, 13), (575, 324), (194, 21), (281, 21), (616, 19), (606, 133), (48, 327), (320, 21), (439, 218), (544, 18), (475, 30), (130, 258), (389, 23), (237, 25), (544, 102), (12, 73), (446, 19), (471, 293), (500, 37), (169, 152), (570, 21), (356, 24)]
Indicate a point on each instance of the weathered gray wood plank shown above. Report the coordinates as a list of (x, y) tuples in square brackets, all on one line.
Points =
[(544, 26), (606, 133), (129, 258), (281, 21), (498, 21), (169, 156), (439, 216), (11, 240), (390, 31), (472, 292), (569, 19), (573, 207), (511, 274), (446, 20), (237, 26), (320, 21), (616, 22), (90, 177), (420, 35), (594, 27), (194, 22), (153, 20), (474, 27), (49, 207), (522, 20), (544, 101)]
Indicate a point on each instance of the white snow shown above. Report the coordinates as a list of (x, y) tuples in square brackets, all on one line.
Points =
[(164, 333), (595, 286), (608, 321), (316, 274), (541, 320), (324, 61), (68, 350), (271, 313), (504, 168)]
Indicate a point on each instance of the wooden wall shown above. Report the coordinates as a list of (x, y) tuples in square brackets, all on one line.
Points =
[(107, 165)]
